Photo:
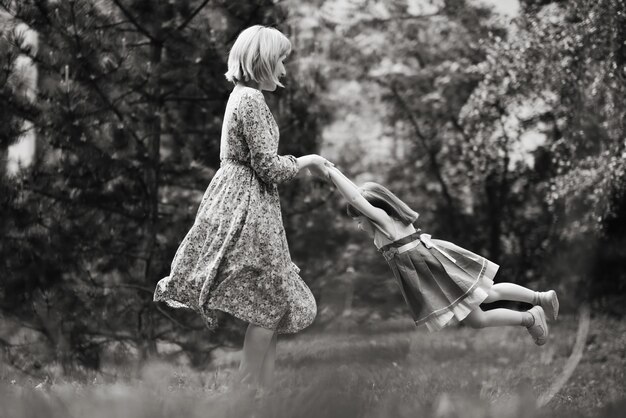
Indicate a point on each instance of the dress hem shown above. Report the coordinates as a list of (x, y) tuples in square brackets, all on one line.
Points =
[(211, 320), (458, 310), (251, 321)]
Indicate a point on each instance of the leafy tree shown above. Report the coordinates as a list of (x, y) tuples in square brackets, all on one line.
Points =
[(417, 62), (560, 75), (508, 139)]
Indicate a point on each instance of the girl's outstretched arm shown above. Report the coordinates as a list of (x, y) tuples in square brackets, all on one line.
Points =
[(352, 194)]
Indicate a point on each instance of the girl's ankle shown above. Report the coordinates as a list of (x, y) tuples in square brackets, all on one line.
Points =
[(536, 298), (527, 319)]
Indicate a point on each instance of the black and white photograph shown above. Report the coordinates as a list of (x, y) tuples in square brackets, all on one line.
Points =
[(312, 208)]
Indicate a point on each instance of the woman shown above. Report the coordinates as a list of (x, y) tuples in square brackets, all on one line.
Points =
[(235, 257)]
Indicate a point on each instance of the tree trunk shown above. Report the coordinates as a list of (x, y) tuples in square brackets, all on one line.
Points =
[(153, 127), (436, 169), (4, 154), (494, 209)]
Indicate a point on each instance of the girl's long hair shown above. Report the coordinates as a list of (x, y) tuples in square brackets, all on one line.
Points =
[(382, 198)]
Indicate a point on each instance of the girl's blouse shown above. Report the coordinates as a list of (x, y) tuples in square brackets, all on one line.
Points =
[(250, 136), (400, 231)]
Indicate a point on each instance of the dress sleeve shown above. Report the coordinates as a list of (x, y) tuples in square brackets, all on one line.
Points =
[(269, 166)]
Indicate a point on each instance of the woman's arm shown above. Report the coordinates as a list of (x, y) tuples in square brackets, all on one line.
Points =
[(352, 194), (269, 166)]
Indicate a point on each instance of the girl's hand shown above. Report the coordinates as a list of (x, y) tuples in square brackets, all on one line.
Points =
[(321, 172)]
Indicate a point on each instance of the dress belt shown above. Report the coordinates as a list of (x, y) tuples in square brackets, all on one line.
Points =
[(423, 239)]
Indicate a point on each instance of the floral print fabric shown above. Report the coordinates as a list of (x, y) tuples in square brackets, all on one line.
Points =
[(235, 257)]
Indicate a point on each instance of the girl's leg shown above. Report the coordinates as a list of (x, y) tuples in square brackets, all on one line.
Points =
[(510, 291), (497, 318), (267, 369), (534, 320), (255, 346)]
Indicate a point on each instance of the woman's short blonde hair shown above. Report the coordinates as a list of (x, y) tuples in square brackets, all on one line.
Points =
[(255, 53)]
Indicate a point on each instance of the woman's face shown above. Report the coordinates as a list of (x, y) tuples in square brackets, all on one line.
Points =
[(365, 225), (279, 72)]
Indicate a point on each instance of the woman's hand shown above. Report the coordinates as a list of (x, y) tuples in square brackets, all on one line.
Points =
[(312, 160), (316, 164)]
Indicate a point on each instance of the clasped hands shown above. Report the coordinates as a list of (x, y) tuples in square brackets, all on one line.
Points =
[(319, 166)]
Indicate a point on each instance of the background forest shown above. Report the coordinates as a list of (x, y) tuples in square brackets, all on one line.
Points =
[(506, 132)]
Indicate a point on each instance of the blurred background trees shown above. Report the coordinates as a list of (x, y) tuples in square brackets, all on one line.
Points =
[(506, 135)]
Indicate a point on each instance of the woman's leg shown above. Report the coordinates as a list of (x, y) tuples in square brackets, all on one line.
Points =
[(267, 369), (255, 346)]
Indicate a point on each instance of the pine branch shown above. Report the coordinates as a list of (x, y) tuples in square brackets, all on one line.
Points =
[(111, 25), (95, 283), (249, 21), (171, 318), (191, 16), (138, 44), (191, 99), (66, 199), (5, 343), (103, 96), (134, 21), (19, 321), (119, 255), (129, 286)]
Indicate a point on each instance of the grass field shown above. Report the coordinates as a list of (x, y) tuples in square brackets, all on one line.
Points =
[(387, 370)]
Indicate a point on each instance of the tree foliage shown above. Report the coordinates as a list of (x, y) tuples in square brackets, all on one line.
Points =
[(508, 137)]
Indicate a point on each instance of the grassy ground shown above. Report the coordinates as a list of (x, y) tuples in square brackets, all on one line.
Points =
[(387, 370)]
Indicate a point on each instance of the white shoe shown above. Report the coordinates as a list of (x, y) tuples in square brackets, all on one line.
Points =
[(538, 330), (550, 303)]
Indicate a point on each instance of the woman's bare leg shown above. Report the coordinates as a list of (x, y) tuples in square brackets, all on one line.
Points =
[(255, 346), (269, 362)]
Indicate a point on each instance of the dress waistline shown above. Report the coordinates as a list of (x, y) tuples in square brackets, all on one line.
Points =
[(224, 161), (400, 242), (409, 242)]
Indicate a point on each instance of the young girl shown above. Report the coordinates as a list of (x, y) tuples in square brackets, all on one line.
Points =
[(235, 257), (441, 282)]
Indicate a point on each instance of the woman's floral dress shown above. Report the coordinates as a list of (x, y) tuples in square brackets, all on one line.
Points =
[(235, 256)]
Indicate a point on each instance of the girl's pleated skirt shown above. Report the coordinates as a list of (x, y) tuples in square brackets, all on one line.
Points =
[(440, 281)]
